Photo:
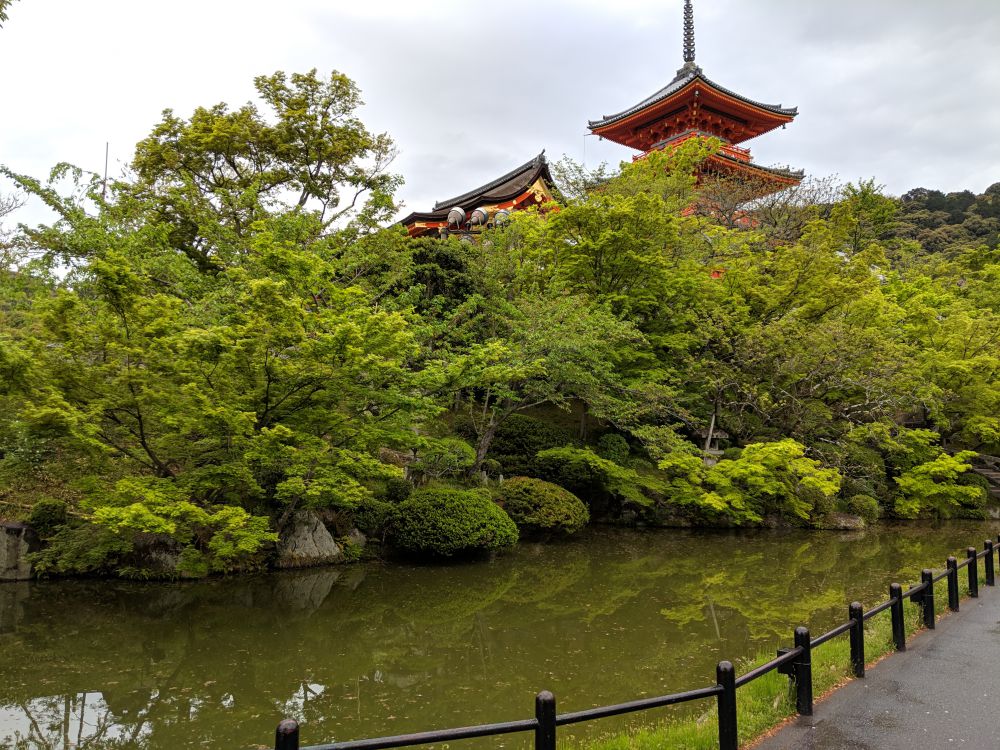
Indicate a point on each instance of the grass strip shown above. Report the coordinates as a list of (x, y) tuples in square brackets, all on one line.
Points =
[(766, 702)]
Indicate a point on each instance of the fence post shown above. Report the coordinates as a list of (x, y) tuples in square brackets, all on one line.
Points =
[(898, 622), (988, 563), (286, 736), (952, 584), (545, 713), (803, 673), (927, 597), (857, 615), (725, 675), (972, 554)]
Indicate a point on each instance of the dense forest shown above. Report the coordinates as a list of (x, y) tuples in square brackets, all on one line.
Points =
[(235, 332)]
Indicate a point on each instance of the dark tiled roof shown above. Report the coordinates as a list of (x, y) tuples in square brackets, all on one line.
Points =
[(504, 188), (796, 174), (686, 75)]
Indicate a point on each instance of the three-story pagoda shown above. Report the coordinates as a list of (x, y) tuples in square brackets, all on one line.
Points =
[(694, 106)]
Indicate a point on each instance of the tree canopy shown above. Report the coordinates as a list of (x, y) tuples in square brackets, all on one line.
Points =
[(234, 332)]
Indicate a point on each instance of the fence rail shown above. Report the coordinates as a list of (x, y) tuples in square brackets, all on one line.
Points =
[(795, 662)]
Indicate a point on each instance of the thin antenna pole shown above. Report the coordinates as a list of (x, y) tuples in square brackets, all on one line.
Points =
[(104, 185)]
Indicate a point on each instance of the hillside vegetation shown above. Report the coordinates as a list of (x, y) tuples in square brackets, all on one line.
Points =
[(234, 332)]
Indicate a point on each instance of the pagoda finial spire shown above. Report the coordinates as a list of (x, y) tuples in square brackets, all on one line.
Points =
[(688, 32)]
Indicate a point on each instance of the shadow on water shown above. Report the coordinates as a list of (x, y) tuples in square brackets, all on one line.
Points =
[(371, 649)]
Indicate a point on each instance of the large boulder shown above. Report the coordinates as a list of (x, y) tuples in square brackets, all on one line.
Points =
[(16, 541), (306, 542)]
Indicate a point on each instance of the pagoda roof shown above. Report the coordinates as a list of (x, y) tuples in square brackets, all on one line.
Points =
[(504, 188), (689, 87), (788, 173), (686, 76)]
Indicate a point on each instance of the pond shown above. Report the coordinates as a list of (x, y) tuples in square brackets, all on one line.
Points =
[(376, 649)]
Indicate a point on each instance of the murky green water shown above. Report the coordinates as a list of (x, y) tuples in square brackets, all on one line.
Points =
[(377, 649)]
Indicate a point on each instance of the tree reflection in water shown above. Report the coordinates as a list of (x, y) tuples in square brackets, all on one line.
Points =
[(374, 649)]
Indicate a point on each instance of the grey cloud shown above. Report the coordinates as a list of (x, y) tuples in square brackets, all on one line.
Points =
[(900, 90)]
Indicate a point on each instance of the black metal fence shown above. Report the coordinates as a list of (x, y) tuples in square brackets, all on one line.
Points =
[(796, 662)]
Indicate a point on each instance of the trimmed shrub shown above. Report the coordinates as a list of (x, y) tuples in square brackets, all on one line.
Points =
[(397, 489), (373, 516), (520, 438), (614, 448), (864, 506), (446, 522), (536, 505), (731, 454)]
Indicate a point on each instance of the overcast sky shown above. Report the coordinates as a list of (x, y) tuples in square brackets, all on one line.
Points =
[(905, 91)]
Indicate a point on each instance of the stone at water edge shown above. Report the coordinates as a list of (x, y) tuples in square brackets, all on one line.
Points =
[(307, 542), (16, 541)]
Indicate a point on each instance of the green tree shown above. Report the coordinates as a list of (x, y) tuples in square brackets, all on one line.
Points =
[(545, 349), (210, 177), (932, 487), (241, 377), (772, 478), (4, 5)]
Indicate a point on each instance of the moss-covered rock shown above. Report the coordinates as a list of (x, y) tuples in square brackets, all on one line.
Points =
[(539, 506), (444, 522)]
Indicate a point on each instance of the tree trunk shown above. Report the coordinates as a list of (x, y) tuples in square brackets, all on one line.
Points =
[(483, 447), (711, 433)]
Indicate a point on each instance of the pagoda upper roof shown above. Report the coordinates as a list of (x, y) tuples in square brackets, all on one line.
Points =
[(504, 188), (687, 83)]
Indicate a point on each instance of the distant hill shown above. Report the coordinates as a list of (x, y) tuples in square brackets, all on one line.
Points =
[(950, 221)]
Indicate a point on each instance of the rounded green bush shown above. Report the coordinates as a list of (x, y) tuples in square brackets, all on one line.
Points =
[(445, 522), (864, 506), (537, 505), (397, 489), (614, 448)]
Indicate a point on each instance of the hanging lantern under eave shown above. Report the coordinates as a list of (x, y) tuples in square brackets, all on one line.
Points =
[(479, 217), (501, 217), (456, 217)]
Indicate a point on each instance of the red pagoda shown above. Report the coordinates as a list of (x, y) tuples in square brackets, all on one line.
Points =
[(694, 106)]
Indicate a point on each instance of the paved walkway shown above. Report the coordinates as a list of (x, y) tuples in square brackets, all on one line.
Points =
[(944, 692)]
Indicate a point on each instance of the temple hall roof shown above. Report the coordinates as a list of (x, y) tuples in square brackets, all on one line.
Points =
[(505, 188)]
